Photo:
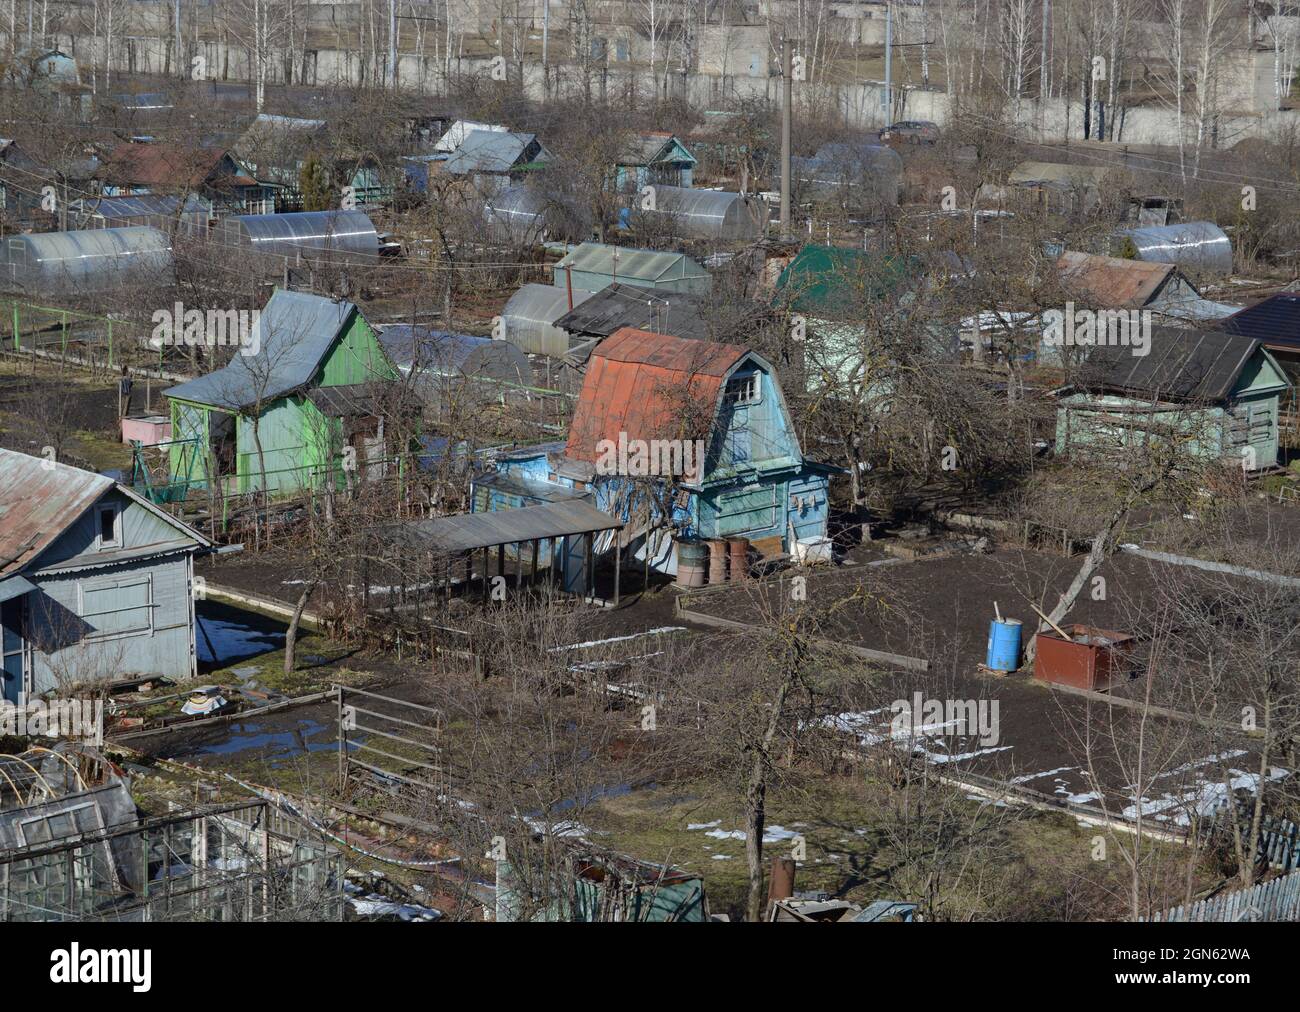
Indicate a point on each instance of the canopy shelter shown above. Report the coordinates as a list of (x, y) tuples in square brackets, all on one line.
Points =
[(566, 530)]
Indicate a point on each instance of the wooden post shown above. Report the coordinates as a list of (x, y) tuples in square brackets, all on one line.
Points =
[(537, 547), (591, 564), (618, 565)]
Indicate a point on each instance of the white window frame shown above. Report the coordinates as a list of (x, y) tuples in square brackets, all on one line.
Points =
[(119, 583), (745, 389), (117, 511)]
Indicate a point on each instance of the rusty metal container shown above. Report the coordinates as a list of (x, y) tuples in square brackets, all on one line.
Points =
[(1089, 660), (739, 550), (717, 560)]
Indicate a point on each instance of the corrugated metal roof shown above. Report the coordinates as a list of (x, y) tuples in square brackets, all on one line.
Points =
[(39, 500), (1183, 365), (468, 531), (836, 280), (1109, 282), (626, 262), (294, 333), (642, 385), (513, 484), (354, 400), (139, 206), (1275, 321), (492, 151)]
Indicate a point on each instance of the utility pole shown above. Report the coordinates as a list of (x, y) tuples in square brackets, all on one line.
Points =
[(546, 41), (392, 43), (787, 108), (889, 53), (181, 70)]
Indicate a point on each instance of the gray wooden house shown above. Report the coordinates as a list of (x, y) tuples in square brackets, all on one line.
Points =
[(1215, 395), (96, 582)]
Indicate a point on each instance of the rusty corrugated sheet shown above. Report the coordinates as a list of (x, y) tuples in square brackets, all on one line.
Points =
[(1109, 282), (647, 386), (38, 501)]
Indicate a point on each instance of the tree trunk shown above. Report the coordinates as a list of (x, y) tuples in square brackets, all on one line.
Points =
[(756, 791), (291, 637)]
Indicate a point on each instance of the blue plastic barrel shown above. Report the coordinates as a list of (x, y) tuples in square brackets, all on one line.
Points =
[(1004, 645)]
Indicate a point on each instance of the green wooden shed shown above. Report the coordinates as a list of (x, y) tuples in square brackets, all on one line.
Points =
[(1217, 394), (282, 417)]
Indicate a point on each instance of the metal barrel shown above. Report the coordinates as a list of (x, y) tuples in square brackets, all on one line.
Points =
[(692, 562), (1004, 645), (739, 548), (717, 560)]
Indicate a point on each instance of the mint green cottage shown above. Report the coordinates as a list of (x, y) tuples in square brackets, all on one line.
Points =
[(1215, 396), (280, 418)]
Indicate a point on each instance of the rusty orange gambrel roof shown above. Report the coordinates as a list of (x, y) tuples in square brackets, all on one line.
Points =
[(1109, 282), (648, 386)]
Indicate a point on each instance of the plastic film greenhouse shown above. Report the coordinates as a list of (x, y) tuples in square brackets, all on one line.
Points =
[(320, 236), (710, 214), (530, 316), (94, 260), (517, 215), (1195, 245)]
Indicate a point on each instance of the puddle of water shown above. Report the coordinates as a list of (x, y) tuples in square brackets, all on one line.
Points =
[(221, 641), (281, 745)]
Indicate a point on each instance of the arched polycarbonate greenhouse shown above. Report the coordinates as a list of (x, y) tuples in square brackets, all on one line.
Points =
[(315, 236), (1195, 245), (708, 214), (516, 214), (530, 315), (92, 260)]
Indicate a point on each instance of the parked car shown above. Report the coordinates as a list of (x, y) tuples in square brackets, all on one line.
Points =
[(914, 131)]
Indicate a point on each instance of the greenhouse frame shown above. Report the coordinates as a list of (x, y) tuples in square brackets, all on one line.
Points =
[(710, 214), (89, 260), (1195, 245), (320, 236), (530, 316)]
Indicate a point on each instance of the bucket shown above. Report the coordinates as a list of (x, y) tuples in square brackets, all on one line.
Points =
[(717, 560), (1004, 645), (739, 549), (692, 563)]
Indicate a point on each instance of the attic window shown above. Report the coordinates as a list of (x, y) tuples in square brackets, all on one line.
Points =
[(110, 530), (744, 389)]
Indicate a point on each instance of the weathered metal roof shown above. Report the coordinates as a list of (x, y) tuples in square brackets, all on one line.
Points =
[(1182, 365), (293, 334), (514, 484), (468, 531), (1200, 245), (626, 262), (642, 385), (1109, 282), (493, 151), (837, 280), (39, 500)]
